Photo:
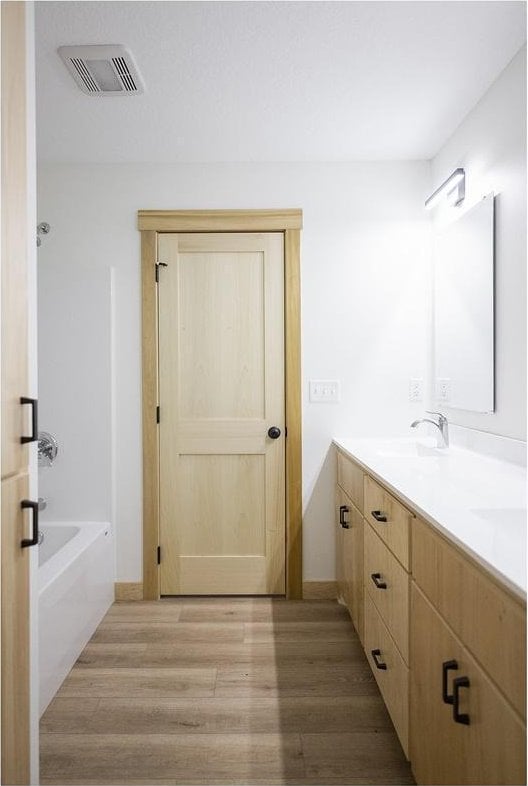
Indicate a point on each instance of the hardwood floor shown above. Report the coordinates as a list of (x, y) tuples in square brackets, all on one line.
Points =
[(221, 691)]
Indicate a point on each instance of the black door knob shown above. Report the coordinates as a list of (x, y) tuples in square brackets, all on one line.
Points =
[(274, 432)]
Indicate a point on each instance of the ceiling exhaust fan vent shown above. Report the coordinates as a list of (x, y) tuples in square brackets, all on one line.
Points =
[(102, 70)]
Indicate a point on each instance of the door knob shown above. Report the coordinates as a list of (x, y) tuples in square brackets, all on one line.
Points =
[(274, 432)]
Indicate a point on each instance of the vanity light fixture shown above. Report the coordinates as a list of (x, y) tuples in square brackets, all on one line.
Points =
[(454, 188)]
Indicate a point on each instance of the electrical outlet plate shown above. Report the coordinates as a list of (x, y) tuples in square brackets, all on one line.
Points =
[(443, 389), (416, 389), (325, 391)]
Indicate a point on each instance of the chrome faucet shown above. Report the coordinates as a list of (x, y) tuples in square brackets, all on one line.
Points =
[(442, 439)]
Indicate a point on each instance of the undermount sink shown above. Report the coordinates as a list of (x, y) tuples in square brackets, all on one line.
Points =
[(411, 449)]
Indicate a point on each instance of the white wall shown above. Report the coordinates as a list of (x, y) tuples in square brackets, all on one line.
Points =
[(365, 273), (75, 384), (491, 146)]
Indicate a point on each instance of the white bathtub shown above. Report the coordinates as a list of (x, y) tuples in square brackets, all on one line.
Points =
[(76, 588)]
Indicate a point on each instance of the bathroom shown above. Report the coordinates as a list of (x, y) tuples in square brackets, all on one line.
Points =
[(365, 125)]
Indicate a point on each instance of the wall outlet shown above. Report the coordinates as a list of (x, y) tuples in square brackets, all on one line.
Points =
[(416, 389), (325, 391), (443, 389)]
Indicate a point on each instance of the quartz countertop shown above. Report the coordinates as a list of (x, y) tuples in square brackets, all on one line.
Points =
[(477, 501)]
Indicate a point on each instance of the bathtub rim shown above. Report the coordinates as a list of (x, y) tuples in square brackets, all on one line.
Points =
[(59, 562)]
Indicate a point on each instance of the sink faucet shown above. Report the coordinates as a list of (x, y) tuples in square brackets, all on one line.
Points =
[(442, 440)]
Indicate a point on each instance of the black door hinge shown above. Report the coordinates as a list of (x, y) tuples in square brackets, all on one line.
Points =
[(157, 414), (157, 267), (159, 555)]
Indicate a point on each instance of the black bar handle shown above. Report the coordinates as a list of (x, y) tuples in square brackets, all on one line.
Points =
[(378, 515), (376, 579), (342, 510), (376, 655), (459, 717), (34, 419), (447, 666), (33, 541)]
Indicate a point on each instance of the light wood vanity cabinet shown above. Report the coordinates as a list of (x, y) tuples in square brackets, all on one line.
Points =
[(390, 670), (387, 583), (465, 628), (482, 614), (386, 577), (389, 519), (440, 634), (349, 545), (350, 479), (486, 743)]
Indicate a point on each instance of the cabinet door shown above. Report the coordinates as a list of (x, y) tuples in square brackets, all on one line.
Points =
[(349, 558), (350, 478), (481, 614), (491, 749), (14, 239), (15, 634)]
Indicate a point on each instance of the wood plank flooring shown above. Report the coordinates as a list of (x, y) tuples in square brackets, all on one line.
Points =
[(221, 691)]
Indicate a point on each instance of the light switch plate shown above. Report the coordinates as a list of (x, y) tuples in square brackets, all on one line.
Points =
[(416, 389), (324, 391)]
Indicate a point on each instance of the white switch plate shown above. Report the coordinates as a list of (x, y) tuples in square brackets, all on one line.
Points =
[(443, 389), (416, 390), (324, 391)]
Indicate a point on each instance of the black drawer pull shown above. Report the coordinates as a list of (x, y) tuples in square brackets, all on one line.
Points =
[(376, 654), (343, 509), (33, 541), (379, 515), (34, 419), (376, 579), (447, 666), (459, 717)]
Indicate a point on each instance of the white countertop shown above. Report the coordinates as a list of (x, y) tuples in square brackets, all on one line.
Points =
[(477, 501)]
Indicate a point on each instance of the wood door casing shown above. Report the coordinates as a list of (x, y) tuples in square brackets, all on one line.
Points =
[(221, 382)]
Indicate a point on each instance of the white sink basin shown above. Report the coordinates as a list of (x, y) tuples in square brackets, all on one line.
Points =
[(412, 449), (502, 516)]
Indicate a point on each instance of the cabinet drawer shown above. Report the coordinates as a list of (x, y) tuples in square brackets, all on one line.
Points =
[(490, 622), (393, 681), (388, 585), (491, 748), (350, 478), (394, 530), (349, 558)]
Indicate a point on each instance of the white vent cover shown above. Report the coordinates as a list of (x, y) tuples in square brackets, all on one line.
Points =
[(102, 70)]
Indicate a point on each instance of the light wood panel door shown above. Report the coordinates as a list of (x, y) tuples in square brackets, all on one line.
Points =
[(491, 748), (221, 388), (15, 633)]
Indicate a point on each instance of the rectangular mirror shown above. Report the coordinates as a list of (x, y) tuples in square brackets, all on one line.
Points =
[(464, 312)]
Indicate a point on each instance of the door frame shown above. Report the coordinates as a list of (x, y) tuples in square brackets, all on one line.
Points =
[(151, 223)]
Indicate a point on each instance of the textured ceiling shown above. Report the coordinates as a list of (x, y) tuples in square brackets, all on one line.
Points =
[(272, 81)]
